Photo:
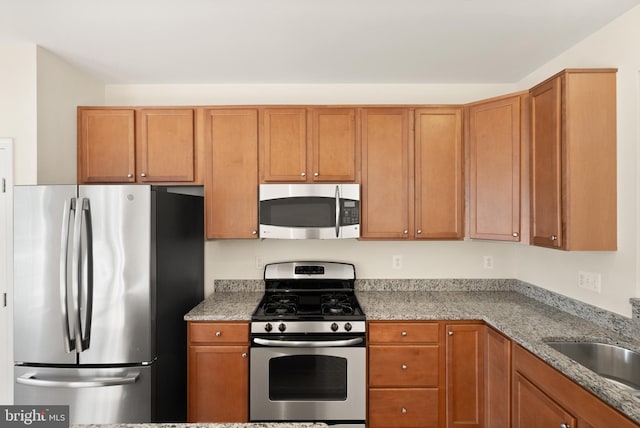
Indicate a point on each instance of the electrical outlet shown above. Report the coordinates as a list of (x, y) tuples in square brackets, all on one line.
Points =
[(591, 281), (259, 262), (396, 262), (487, 262)]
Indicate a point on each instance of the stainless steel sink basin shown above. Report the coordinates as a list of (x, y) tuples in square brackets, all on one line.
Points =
[(616, 364)]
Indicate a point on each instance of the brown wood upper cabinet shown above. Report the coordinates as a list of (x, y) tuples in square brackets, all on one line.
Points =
[(412, 188), (494, 131), (308, 145), (573, 161), (137, 145), (231, 190)]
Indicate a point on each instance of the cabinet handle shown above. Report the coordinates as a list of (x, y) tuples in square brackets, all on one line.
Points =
[(515, 234), (315, 174), (404, 410), (554, 237), (404, 367), (419, 231), (405, 231), (143, 175), (565, 426), (244, 355), (218, 333), (450, 333), (129, 175), (254, 232), (404, 333), (303, 174)]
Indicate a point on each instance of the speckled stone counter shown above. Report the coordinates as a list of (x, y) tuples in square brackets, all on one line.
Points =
[(220, 425), (527, 314)]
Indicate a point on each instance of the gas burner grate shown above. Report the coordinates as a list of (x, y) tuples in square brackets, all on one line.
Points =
[(280, 308)]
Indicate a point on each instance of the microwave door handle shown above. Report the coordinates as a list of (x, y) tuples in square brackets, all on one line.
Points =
[(337, 211)]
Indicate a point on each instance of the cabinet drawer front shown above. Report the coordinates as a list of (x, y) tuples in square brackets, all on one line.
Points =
[(224, 332), (403, 332), (403, 365), (407, 407)]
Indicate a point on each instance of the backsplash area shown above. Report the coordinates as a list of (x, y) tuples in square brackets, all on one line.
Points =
[(626, 326)]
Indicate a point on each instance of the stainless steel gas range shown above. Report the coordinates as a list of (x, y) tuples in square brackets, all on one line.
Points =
[(308, 355)]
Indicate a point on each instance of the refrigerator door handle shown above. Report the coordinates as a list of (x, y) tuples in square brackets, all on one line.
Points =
[(86, 292), (67, 325), (31, 380)]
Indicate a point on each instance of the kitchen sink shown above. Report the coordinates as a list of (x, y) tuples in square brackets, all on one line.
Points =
[(618, 365)]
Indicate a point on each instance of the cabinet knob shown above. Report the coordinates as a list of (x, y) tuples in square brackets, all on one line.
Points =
[(404, 367), (404, 410), (129, 175), (554, 237), (406, 232), (565, 426), (315, 174), (404, 333), (254, 232), (303, 174), (143, 174), (218, 333), (450, 333), (515, 234), (419, 231), (244, 355)]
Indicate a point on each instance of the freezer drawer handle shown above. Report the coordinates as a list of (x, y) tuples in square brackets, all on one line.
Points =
[(31, 380)]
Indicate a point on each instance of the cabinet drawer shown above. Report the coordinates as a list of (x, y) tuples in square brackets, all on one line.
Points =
[(406, 407), (403, 332), (403, 365), (222, 332)]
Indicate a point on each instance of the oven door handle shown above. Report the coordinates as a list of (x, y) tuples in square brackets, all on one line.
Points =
[(308, 344)]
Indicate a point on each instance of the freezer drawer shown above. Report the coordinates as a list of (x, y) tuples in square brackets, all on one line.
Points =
[(94, 396)]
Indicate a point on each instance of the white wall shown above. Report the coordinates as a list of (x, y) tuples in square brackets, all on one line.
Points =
[(61, 88), (18, 111), (614, 46)]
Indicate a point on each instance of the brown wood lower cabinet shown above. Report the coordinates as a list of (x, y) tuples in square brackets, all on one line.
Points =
[(218, 372), (497, 379), (403, 407), (544, 397)]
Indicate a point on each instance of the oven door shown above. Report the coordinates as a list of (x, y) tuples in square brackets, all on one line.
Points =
[(308, 384)]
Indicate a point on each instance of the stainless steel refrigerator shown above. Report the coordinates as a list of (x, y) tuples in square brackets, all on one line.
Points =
[(102, 278)]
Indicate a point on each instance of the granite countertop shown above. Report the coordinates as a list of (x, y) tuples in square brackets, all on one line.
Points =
[(218, 425), (525, 320)]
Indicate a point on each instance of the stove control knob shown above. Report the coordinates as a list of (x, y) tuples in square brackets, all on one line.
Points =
[(334, 327), (348, 326), (268, 327), (282, 327)]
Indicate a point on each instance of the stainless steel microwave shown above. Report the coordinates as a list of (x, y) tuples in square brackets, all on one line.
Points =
[(309, 211)]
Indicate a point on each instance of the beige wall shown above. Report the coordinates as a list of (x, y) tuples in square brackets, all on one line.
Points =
[(18, 110), (614, 46), (61, 88)]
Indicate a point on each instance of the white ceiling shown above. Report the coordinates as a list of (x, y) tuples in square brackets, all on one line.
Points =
[(306, 41)]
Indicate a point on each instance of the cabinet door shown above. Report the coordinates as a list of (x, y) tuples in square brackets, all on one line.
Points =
[(494, 170), (166, 145), (439, 201), (106, 146), (546, 215), (283, 145), (333, 142), (232, 173), (385, 173), (464, 374), (218, 384), (497, 379), (533, 408)]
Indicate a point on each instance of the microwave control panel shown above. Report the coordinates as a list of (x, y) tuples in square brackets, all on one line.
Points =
[(350, 212)]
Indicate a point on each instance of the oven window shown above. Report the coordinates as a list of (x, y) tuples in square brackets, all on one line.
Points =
[(299, 212), (308, 378)]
